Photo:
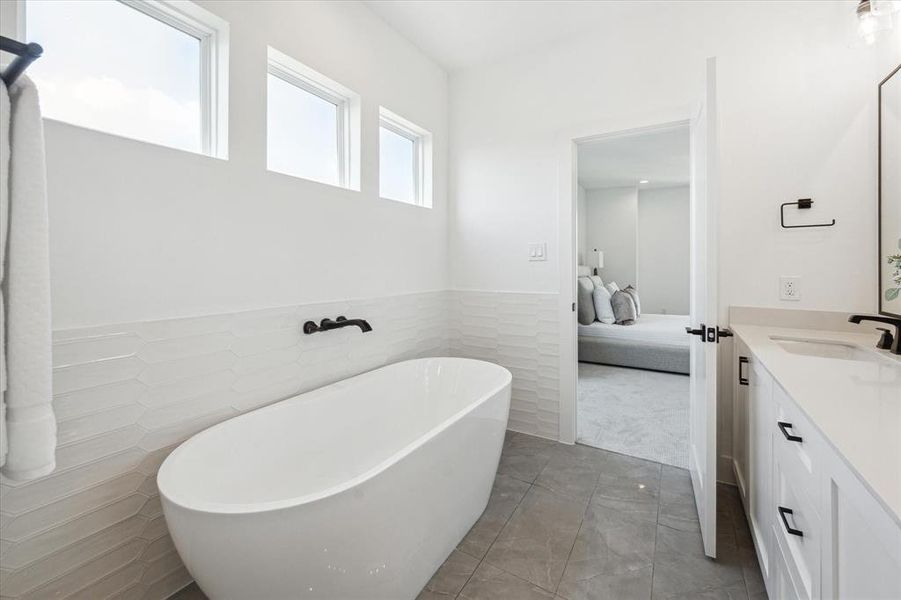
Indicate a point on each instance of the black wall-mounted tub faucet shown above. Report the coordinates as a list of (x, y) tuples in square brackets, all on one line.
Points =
[(328, 324), (896, 342)]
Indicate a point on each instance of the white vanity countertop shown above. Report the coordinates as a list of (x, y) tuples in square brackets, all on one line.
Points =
[(855, 404)]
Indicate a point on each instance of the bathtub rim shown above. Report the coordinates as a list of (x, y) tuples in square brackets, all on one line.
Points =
[(219, 508)]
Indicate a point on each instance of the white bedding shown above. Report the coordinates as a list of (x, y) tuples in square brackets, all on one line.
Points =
[(666, 330)]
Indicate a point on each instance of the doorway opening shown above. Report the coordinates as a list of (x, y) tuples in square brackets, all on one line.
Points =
[(633, 237)]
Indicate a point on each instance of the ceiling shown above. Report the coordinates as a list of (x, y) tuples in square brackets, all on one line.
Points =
[(460, 34), (661, 157)]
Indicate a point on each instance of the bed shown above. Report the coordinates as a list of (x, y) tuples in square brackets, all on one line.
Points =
[(656, 342)]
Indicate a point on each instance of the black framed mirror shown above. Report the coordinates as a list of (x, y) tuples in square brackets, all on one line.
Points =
[(890, 194)]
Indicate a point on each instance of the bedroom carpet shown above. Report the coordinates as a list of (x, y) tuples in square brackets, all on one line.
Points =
[(634, 412)]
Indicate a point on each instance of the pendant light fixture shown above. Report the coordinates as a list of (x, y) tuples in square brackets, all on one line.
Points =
[(874, 16)]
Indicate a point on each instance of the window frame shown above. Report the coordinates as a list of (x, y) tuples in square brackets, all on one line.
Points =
[(212, 32), (422, 156), (294, 72)]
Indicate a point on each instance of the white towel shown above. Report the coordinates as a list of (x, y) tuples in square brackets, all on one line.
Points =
[(27, 423)]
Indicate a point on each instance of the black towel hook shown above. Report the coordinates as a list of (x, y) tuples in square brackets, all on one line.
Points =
[(25, 55), (802, 203)]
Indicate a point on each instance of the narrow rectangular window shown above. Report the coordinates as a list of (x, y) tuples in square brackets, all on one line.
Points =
[(405, 157), (149, 70), (312, 124)]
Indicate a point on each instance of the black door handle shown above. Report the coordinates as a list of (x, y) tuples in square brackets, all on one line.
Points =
[(742, 380), (792, 438), (791, 530), (701, 332)]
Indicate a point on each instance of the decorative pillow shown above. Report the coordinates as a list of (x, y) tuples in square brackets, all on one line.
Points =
[(612, 287), (596, 280), (634, 293), (585, 301), (602, 305), (623, 308)]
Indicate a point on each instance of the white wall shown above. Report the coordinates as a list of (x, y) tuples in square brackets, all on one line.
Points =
[(797, 118), (145, 232), (663, 250), (611, 221), (645, 238), (808, 91)]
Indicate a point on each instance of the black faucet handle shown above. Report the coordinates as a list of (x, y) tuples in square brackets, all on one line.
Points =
[(886, 339)]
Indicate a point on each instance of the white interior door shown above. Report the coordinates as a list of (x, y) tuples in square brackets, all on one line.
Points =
[(703, 311)]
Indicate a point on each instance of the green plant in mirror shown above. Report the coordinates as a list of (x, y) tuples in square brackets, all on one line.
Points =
[(894, 260)]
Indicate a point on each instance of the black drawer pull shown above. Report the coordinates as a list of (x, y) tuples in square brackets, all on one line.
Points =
[(791, 530), (742, 360), (792, 438)]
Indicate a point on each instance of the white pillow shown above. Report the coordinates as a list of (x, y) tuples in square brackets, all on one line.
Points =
[(602, 305), (611, 287)]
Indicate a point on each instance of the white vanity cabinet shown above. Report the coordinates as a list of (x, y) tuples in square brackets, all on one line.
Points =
[(818, 530)]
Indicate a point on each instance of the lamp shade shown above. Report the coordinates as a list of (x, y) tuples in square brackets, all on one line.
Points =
[(600, 258)]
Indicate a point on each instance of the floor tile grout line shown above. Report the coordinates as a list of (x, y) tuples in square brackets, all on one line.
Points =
[(515, 576), (656, 532), (570, 553), (487, 550), (502, 531), (578, 531)]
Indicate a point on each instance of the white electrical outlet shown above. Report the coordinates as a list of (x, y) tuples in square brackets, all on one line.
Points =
[(789, 288)]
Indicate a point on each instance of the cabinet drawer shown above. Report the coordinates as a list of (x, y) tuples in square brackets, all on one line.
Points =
[(797, 530), (798, 445), (783, 587)]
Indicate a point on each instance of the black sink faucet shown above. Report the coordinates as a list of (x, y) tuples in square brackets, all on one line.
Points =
[(896, 348), (328, 324)]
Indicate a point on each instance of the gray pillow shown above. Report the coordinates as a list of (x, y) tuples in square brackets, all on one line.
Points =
[(585, 301), (634, 293), (623, 308), (602, 305)]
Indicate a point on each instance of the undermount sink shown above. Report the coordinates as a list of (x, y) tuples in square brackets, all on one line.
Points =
[(824, 349)]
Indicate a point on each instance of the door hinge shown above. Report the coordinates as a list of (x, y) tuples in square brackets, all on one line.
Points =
[(574, 307)]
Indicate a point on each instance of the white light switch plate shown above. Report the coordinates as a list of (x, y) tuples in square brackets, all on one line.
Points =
[(789, 288), (538, 251)]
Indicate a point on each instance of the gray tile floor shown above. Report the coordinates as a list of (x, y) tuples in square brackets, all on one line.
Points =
[(578, 523)]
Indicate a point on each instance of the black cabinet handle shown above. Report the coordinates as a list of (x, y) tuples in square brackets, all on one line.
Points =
[(783, 426), (791, 530), (742, 360)]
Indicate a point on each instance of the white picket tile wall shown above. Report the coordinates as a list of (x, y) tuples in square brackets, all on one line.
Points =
[(519, 331), (126, 395)]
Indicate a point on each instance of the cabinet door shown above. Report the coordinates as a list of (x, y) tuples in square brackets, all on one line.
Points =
[(740, 449), (760, 467), (861, 551)]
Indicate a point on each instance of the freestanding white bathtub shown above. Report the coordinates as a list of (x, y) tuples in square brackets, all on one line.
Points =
[(359, 489)]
